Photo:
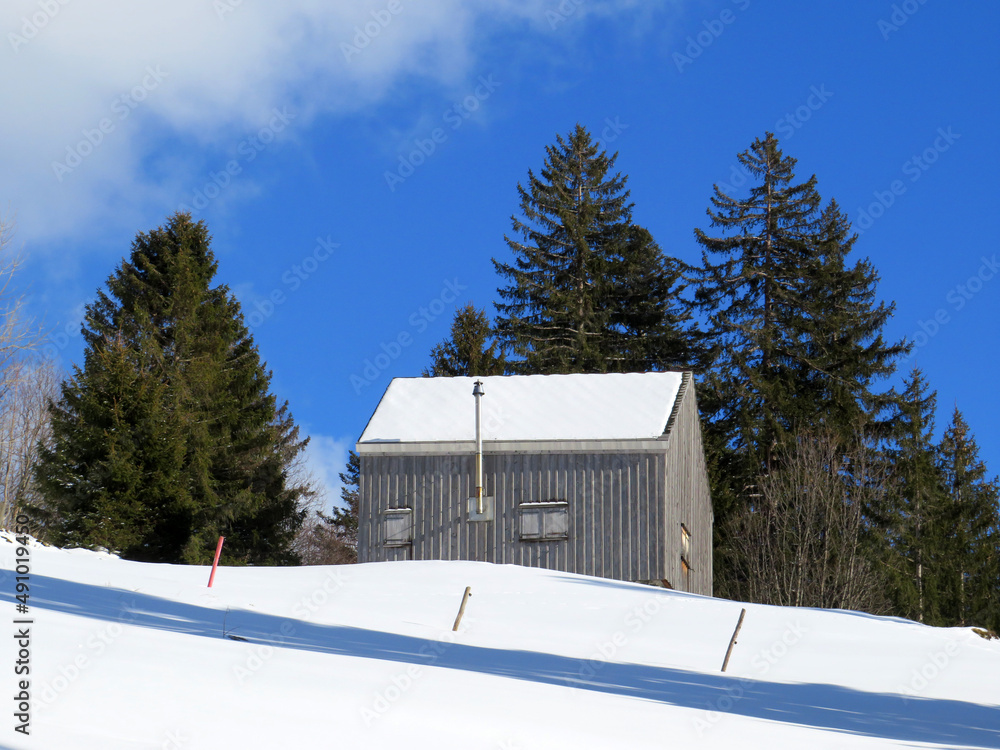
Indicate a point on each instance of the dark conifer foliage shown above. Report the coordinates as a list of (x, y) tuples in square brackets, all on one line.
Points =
[(472, 349), (749, 286), (969, 563), (943, 540), (345, 519), (588, 291), (168, 435), (912, 519), (794, 327), (841, 353), (113, 478), (650, 325)]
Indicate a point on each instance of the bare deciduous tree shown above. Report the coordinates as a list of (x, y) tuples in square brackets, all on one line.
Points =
[(804, 541), (29, 384), (332, 539), (319, 543), (18, 334), (26, 384)]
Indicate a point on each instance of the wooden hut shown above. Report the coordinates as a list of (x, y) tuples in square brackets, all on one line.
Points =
[(596, 474)]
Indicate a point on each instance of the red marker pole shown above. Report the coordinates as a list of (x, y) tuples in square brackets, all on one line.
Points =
[(215, 564)]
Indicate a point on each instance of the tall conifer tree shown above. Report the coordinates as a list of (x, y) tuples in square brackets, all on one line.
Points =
[(840, 352), (749, 285), (204, 450), (650, 326), (472, 349), (912, 519), (345, 518), (588, 290), (970, 564), (794, 327), (114, 475)]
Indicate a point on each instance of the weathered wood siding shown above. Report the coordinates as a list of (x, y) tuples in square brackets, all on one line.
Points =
[(689, 499), (616, 510)]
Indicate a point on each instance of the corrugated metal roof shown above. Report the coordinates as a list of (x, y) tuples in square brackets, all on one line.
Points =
[(526, 407)]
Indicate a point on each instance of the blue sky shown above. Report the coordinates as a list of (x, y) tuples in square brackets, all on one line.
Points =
[(357, 162)]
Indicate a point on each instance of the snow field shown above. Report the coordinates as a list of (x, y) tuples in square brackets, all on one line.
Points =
[(130, 655)]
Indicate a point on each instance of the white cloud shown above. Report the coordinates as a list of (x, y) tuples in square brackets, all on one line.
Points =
[(203, 73)]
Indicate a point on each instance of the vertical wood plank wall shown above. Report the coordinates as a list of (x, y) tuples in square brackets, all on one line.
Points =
[(691, 504), (625, 508)]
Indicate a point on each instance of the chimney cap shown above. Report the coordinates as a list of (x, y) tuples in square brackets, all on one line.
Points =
[(477, 389)]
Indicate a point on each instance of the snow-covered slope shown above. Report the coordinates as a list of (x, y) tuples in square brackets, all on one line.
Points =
[(128, 655)]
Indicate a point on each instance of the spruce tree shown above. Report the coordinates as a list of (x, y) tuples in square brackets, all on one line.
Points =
[(749, 286), (793, 327), (113, 475), (841, 353), (650, 325), (912, 520), (970, 529), (471, 350), (576, 296), (209, 451), (345, 518)]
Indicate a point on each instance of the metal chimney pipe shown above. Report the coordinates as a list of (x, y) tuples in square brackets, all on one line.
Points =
[(478, 392)]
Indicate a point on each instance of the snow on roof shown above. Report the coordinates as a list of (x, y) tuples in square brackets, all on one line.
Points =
[(618, 406)]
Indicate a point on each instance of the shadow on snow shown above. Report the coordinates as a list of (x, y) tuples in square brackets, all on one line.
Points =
[(828, 707)]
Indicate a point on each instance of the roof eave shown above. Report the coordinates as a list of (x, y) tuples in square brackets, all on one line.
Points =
[(463, 447)]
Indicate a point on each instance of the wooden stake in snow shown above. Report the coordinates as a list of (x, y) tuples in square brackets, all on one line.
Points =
[(461, 610), (732, 641), (215, 564)]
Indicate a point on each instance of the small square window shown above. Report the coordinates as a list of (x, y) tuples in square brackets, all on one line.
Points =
[(544, 521), (398, 526)]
